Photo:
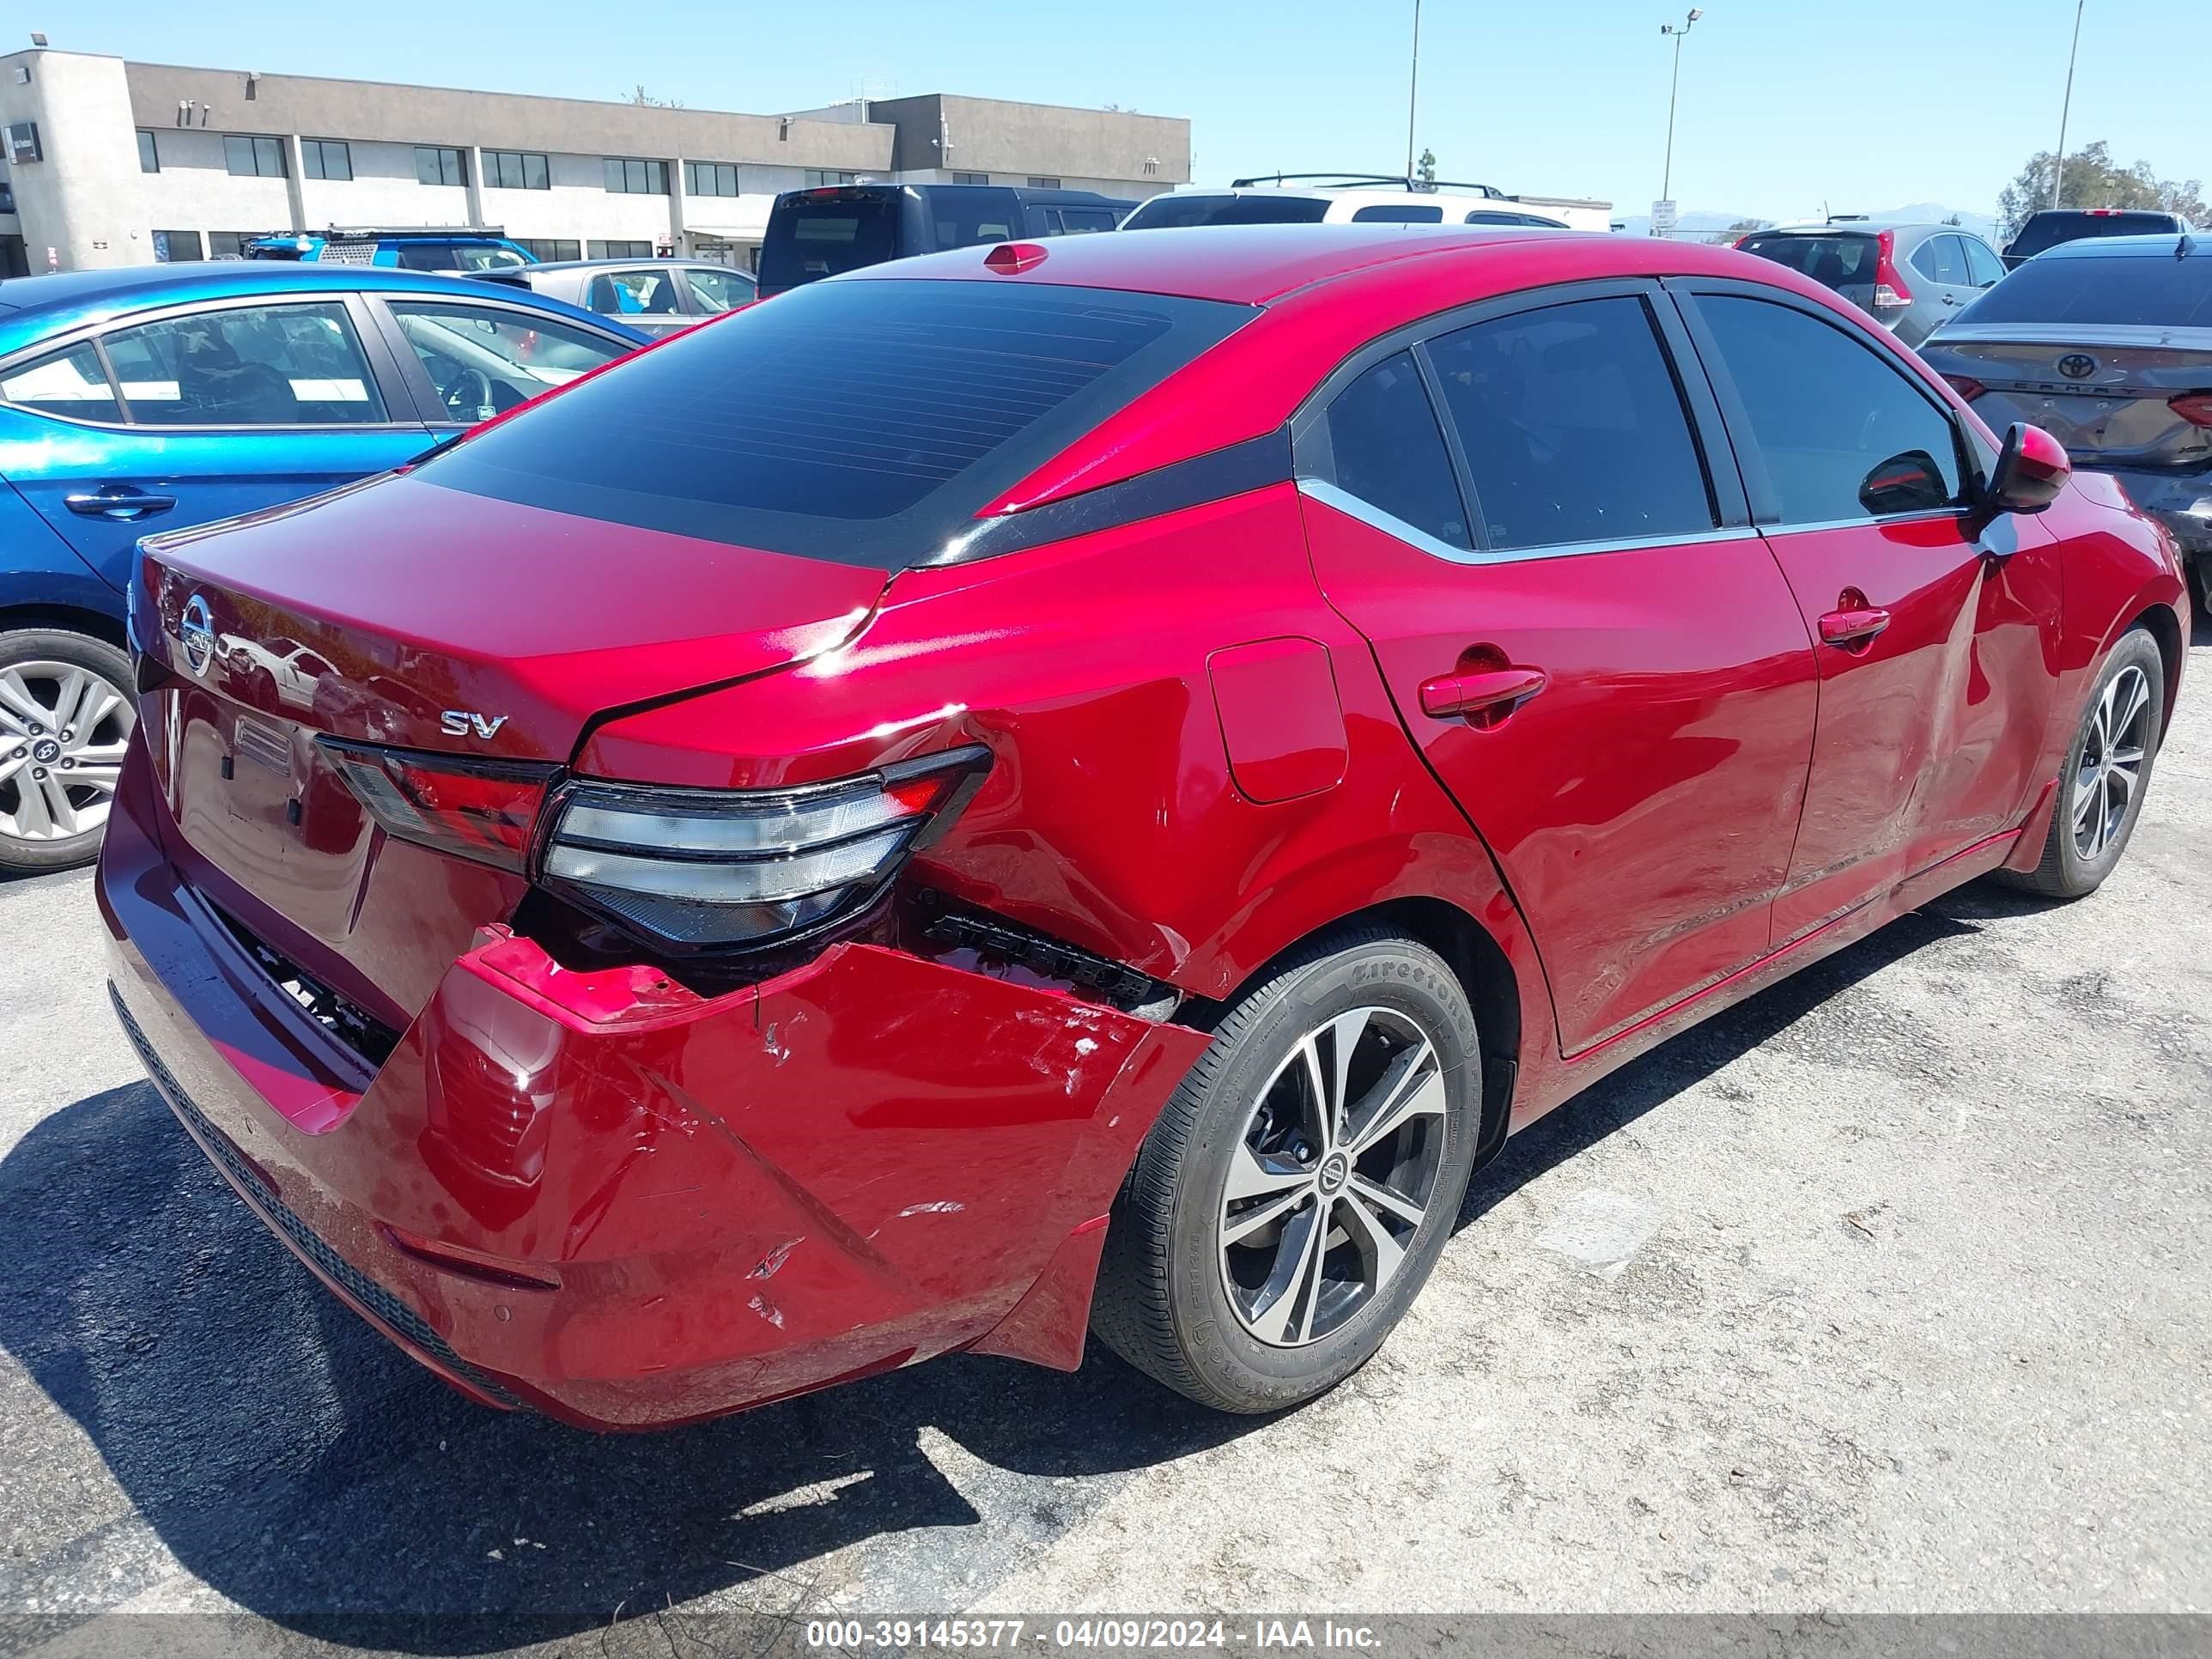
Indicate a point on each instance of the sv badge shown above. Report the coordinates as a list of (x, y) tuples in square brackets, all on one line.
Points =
[(463, 722)]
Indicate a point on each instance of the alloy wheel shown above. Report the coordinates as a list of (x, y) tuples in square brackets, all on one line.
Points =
[(63, 729), (1332, 1176), (2112, 753)]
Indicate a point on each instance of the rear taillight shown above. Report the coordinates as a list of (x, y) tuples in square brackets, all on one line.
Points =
[(1967, 386), (1890, 289), (2194, 407), (480, 810), (706, 869)]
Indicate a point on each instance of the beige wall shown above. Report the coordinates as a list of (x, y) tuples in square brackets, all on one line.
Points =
[(83, 198)]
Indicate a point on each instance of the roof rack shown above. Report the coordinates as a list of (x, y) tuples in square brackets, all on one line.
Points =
[(1354, 180)]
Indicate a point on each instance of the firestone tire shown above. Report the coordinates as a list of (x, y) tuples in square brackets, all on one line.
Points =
[(2106, 774), (1296, 1191)]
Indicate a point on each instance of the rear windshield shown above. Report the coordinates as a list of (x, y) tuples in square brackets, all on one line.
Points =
[(1836, 261), (1180, 212), (862, 422), (813, 238), (2048, 230), (2124, 291)]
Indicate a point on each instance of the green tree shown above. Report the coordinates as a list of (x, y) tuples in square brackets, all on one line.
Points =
[(2093, 179), (1427, 171), (1737, 232)]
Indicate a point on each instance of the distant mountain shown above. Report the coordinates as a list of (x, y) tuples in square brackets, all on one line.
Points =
[(1702, 223), (1934, 213)]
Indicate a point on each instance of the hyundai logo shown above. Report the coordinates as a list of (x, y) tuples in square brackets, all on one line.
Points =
[(2077, 365), (196, 631)]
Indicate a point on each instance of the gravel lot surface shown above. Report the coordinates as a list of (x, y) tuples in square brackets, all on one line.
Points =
[(1890, 1290)]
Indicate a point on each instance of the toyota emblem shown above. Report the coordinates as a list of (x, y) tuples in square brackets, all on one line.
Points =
[(196, 631), (2077, 365)]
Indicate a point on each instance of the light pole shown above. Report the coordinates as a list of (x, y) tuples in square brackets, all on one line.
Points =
[(1412, 91), (2066, 108), (1667, 178)]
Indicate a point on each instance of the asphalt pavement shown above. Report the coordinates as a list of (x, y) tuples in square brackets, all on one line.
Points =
[(1891, 1289)]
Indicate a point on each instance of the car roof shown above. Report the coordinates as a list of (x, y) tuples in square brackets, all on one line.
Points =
[(2158, 244), (1353, 193), (32, 307), (627, 264), (2102, 213)]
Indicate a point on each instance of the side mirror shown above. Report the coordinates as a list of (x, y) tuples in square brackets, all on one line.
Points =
[(2031, 469), (1910, 483)]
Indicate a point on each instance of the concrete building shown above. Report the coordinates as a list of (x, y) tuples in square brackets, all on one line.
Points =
[(108, 162)]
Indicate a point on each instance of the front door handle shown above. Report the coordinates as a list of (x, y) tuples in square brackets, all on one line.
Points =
[(1854, 627), (123, 501), (1484, 697)]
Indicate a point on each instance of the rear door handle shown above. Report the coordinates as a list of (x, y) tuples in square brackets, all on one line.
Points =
[(1493, 693), (1856, 626), (123, 501)]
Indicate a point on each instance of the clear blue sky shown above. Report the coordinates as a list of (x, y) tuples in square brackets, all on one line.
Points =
[(1867, 105)]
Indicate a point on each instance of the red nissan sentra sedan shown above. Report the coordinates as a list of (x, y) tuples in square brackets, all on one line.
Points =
[(1034, 788)]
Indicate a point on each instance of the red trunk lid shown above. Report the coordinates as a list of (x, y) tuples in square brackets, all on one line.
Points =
[(404, 614)]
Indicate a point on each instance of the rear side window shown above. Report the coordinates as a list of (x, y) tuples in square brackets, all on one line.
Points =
[(293, 365), (1573, 427), (1400, 213), (1832, 261), (2048, 230), (1839, 433), (968, 215), (68, 382), (863, 422), (813, 238), (1386, 448), (1182, 212), (2123, 290)]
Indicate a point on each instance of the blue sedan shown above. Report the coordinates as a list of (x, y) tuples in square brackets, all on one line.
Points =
[(156, 397)]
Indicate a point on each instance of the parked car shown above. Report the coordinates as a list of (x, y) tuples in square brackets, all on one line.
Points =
[(167, 395), (466, 250), (1335, 198), (833, 228), (2053, 226), (1908, 278), (657, 296), (1126, 762), (2108, 344)]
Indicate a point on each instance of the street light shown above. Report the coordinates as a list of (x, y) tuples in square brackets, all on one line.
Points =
[(2059, 164), (1666, 179), (1412, 91)]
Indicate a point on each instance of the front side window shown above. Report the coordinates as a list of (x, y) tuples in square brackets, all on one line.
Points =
[(246, 157), (1573, 427), (634, 293), (1984, 268), (290, 365), (484, 359), (1840, 433), (718, 290), (326, 158), (439, 164), (865, 422), (68, 382), (1386, 447)]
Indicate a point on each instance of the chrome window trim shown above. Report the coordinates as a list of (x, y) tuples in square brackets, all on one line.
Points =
[(1928, 515), (1375, 517)]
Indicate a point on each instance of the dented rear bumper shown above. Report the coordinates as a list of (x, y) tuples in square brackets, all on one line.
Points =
[(604, 1197)]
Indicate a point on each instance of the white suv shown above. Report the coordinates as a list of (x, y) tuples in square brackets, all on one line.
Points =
[(1335, 198)]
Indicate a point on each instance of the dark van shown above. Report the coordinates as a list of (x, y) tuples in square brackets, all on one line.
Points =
[(813, 233)]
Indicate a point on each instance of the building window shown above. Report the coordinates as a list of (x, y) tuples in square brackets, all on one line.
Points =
[(817, 177), (1044, 183), (149, 158), (439, 164), (173, 248), (710, 179), (621, 250), (326, 158), (550, 248), (971, 177), (635, 177), (515, 169), (253, 158), (230, 244)]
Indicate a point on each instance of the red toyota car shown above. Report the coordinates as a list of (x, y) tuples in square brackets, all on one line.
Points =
[(1040, 789)]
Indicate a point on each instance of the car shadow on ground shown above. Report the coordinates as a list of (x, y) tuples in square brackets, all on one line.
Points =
[(305, 1469)]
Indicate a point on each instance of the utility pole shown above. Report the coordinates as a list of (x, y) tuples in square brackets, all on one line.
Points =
[(2066, 108), (1413, 90), (1667, 178)]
